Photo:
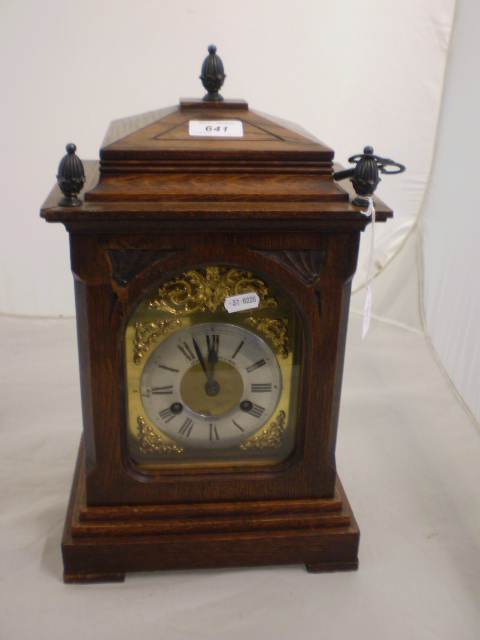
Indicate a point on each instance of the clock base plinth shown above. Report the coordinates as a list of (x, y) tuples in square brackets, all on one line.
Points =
[(101, 544)]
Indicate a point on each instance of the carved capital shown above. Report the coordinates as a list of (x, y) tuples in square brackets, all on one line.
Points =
[(126, 264), (306, 264)]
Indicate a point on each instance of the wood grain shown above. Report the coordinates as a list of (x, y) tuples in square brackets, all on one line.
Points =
[(106, 550), (159, 204)]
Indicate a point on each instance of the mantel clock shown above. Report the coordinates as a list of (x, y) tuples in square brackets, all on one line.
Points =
[(212, 254)]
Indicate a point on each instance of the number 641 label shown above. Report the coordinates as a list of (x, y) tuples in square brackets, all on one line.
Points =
[(242, 301), (216, 128)]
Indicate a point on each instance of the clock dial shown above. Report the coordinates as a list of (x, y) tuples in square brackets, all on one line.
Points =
[(211, 385), (206, 387)]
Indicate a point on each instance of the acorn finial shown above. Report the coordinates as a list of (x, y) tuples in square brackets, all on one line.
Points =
[(212, 75), (364, 176), (70, 178)]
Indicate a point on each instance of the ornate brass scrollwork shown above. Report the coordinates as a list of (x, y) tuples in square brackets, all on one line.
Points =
[(151, 442), (197, 290), (275, 330), (270, 438), (146, 333)]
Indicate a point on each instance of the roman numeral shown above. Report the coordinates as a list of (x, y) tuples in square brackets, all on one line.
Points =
[(262, 388), (256, 365), (256, 411), (186, 427), (213, 432), (162, 366), (237, 425), (238, 349), (214, 345), (162, 391), (166, 415), (187, 352)]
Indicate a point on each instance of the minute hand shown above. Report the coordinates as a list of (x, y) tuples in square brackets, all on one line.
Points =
[(200, 358)]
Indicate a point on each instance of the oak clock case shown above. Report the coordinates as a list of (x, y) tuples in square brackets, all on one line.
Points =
[(208, 436)]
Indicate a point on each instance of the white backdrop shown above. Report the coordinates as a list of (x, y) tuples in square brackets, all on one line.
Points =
[(451, 216), (351, 72)]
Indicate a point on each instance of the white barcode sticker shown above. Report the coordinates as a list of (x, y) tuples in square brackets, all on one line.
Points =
[(216, 128), (242, 301)]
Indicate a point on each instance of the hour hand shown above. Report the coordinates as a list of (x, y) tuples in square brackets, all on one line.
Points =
[(200, 358), (212, 348)]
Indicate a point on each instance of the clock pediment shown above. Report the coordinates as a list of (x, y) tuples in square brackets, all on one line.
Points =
[(164, 135), (156, 157), (152, 170)]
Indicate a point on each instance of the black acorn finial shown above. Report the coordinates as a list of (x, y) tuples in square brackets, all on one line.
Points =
[(364, 176), (212, 76), (70, 178)]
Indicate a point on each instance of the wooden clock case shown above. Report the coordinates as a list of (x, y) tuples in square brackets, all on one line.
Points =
[(161, 202)]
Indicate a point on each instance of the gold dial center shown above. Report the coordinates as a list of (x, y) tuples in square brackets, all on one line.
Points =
[(194, 394)]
